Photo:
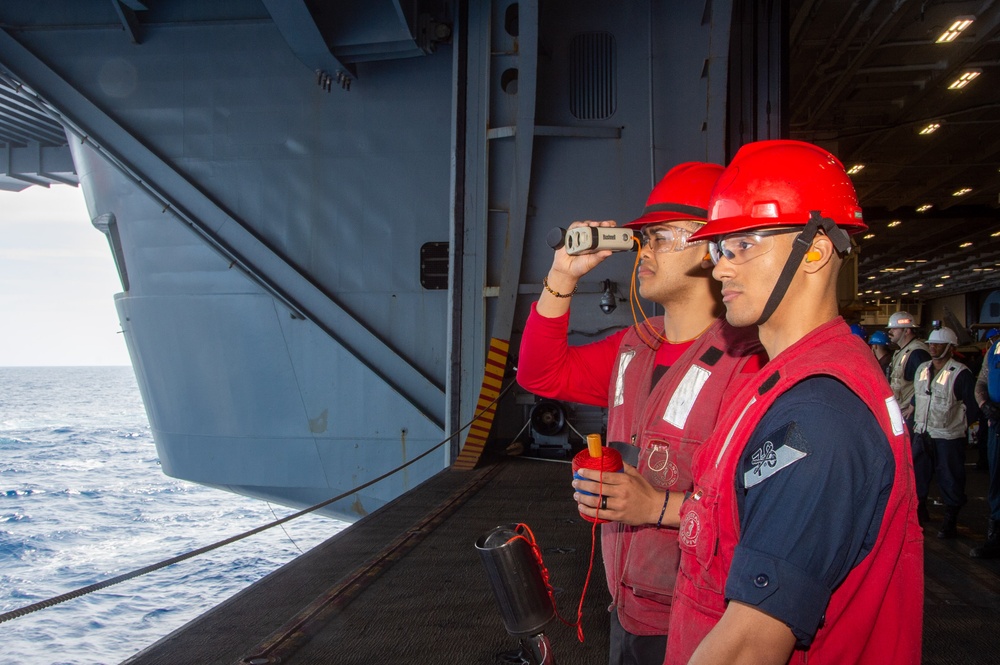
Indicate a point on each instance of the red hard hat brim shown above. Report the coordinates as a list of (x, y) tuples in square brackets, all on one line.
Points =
[(661, 218), (723, 227)]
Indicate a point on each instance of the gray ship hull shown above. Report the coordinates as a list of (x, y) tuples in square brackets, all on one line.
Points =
[(267, 211)]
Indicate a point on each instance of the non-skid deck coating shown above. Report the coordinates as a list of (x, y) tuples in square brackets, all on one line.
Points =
[(405, 584)]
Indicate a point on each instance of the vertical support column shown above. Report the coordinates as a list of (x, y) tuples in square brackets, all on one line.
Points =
[(758, 72), (513, 250)]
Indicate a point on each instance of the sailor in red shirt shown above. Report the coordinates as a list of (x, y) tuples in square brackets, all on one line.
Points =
[(662, 382), (800, 541)]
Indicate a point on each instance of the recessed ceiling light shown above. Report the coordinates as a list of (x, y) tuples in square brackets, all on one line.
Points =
[(929, 128), (876, 292), (915, 291), (964, 79), (868, 236), (994, 235), (938, 286), (965, 244), (894, 222), (871, 277), (945, 276), (955, 29), (906, 293), (962, 192), (917, 286), (925, 207), (857, 168)]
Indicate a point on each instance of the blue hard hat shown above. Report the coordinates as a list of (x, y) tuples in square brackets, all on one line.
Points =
[(879, 337), (858, 330), (991, 333)]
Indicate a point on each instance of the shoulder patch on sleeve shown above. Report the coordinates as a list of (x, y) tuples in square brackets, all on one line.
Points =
[(780, 449)]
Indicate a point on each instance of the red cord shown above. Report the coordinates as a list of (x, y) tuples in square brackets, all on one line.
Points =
[(578, 624)]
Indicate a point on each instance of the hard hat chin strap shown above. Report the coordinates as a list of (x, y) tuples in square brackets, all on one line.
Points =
[(803, 241)]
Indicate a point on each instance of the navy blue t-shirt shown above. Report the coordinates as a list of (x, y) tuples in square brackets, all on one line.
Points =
[(811, 492)]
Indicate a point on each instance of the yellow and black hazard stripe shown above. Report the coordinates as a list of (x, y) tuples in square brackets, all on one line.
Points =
[(486, 407)]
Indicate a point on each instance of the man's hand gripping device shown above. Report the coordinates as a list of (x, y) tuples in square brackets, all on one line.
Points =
[(592, 239)]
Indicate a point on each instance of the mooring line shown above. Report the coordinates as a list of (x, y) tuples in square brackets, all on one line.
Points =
[(82, 591)]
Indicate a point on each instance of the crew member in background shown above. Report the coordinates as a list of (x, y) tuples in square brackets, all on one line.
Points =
[(910, 354), (662, 382), (800, 540), (944, 406), (988, 397), (879, 343)]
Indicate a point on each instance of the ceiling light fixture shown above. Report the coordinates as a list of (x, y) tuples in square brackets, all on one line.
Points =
[(894, 222), (917, 286), (965, 78), (962, 192), (857, 168), (925, 207), (995, 235), (868, 236), (930, 129), (955, 29), (964, 245)]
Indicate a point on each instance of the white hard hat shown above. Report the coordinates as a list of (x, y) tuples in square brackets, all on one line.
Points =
[(901, 320), (943, 336)]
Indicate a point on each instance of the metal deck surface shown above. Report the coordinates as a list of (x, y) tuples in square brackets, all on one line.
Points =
[(405, 584)]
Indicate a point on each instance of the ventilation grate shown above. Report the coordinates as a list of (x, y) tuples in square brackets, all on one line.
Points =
[(593, 80)]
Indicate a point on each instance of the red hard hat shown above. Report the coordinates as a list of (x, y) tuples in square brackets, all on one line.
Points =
[(779, 183), (682, 194)]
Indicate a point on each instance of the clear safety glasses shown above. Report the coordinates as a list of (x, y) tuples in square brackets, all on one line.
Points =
[(663, 239), (742, 247)]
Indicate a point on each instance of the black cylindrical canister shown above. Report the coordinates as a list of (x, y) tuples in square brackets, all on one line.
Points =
[(517, 582)]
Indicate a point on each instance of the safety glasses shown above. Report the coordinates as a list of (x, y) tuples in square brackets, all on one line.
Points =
[(663, 239), (742, 247)]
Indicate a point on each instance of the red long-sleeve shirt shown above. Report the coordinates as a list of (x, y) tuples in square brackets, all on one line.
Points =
[(549, 367)]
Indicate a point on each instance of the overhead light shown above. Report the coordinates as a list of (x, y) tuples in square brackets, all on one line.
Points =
[(857, 168), (930, 129), (994, 235), (964, 79), (876, 292), (868, 236), (961, 192), (894, 222), (925, 207), (964, 245), (945, 276), (955, 29), (905, 293), (938, 286), (871, 276), (868, 291), (917, 286)]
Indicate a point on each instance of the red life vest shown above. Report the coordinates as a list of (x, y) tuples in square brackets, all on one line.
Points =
[(667, 423), (874, 616)]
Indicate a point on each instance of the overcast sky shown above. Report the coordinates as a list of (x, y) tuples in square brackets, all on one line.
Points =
[(57, 282)]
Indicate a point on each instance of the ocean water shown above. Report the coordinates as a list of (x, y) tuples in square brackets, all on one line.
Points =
[(83, 499)]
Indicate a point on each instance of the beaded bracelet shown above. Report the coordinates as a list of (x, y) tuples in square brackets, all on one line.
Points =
[(659, 522), (545, 283)]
